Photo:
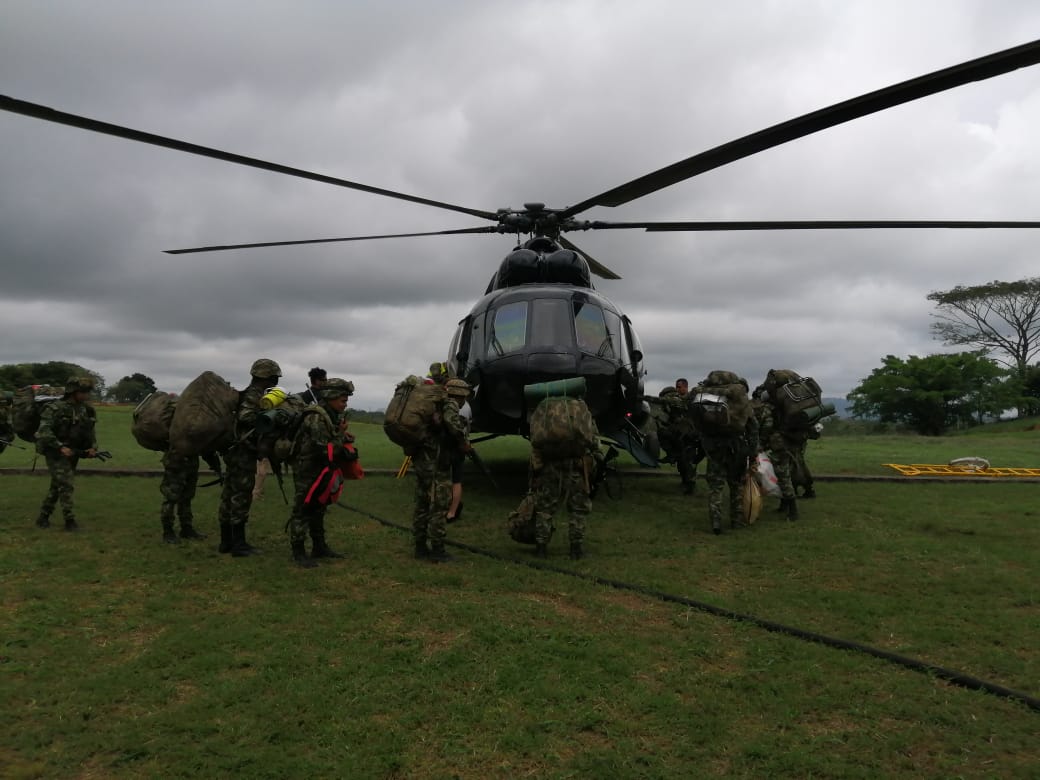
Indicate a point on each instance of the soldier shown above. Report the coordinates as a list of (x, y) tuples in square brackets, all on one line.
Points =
[(312, 395), (557, 479), (731, 446), (66, 433), (236, 497), (179, 480), (323, 426), (783, 447), (432, 466), (677, 435)]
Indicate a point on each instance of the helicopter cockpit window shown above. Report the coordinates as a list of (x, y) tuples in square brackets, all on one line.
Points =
[(550, 322), (591, 330), (508, 329), (614, 333)]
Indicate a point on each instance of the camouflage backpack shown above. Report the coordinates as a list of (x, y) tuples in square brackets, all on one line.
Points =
[(150, 425), (520, 523), (204, 418), (412, 413), (27, 406), (798, 400), (720, 405), (562, 427)]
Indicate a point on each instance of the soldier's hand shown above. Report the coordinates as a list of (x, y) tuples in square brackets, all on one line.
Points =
[(91, 453), (66, 452)]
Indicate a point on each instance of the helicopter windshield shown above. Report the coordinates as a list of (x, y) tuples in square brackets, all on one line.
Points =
[(554, 322)]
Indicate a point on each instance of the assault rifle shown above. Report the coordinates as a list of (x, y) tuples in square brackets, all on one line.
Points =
[(101, 455)]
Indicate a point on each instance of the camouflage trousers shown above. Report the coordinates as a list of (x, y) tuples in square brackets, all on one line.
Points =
[(180, 477), (63, 475), (304, 517), (801, 476), (556, 482), (726, 468), (432, 496), (236, 497), (782, 452)]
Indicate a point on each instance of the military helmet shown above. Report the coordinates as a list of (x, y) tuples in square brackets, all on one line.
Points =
[(439, 372), (265, 368), (667, 391), (457, 388), (337, 388), (79, 383)]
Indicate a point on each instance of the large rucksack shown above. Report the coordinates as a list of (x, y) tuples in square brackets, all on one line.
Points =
[(204, 418), (412, 413), (720, 405), (798, 400), (562, 427), (150, 425), (27, 406)]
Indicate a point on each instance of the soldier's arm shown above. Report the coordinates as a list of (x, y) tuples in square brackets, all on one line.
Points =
[(46, 437), (453, 423)]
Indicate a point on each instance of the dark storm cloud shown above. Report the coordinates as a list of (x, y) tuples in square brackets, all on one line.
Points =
[(491, 104)]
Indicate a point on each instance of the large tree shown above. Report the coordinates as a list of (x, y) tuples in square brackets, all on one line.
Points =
[(54, 373), (936, 392), (131, 389), (1002, 318)]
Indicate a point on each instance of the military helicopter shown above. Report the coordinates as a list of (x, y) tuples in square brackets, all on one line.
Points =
[(541, 318)]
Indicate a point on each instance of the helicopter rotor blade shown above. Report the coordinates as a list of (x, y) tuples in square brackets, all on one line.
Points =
[(225, 247), (857, 224), (60, 117), (594, 265), (974, 70)]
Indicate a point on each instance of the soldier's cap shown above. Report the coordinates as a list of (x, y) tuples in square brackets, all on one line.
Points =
[(457, 387), (337, 388), (79, 383), (667, 391), (265, 368)]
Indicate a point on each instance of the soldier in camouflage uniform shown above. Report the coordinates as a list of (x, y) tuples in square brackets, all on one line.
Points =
[(432, 466), (730, 458), (179, 480), (677, 435), (236, 497), (783, 447), (323, 424), (66, 433), (556, 480)]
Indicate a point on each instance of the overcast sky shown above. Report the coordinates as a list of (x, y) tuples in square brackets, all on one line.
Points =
[(491, 104)]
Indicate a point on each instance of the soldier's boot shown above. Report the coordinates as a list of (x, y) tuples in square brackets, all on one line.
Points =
[(168, 534), (792, 509), (71, 524), (43, 521), (783, 505), (438, 554), (541, 550), (319, 547), (809, 492), (689, 487), (227, 539), (240, 548), (188, 530), (576, 553), (422, 552), (299, 554)]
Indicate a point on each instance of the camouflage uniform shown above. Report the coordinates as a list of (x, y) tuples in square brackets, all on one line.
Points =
[(556, 481), (179, 480), (64, 423), (729, 459), (783, 450), (236, 497), (432, 466), (6, 426), (679, 439), (321, 427)]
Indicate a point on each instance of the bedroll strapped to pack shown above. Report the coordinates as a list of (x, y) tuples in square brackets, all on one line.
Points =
[(150, 425), (798, 400), (563, 427), (720, 405), (204, 419), (27, 406), (412, 413)]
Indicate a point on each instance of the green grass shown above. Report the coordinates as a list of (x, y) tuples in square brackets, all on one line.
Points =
[(121, 657)]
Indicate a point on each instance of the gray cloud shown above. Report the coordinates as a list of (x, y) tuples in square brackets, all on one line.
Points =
[(490, 104)]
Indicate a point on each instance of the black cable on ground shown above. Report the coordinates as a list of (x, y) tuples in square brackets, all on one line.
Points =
[(957, 678)]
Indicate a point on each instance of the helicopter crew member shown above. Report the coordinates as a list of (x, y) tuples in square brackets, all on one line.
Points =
[(236, 497), (321, 432), (66, 433), (432, 466)]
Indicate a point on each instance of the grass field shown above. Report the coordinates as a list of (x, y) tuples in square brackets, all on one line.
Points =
[(124, 657)]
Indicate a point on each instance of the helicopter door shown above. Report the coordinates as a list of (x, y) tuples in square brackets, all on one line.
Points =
[(635, 349)]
